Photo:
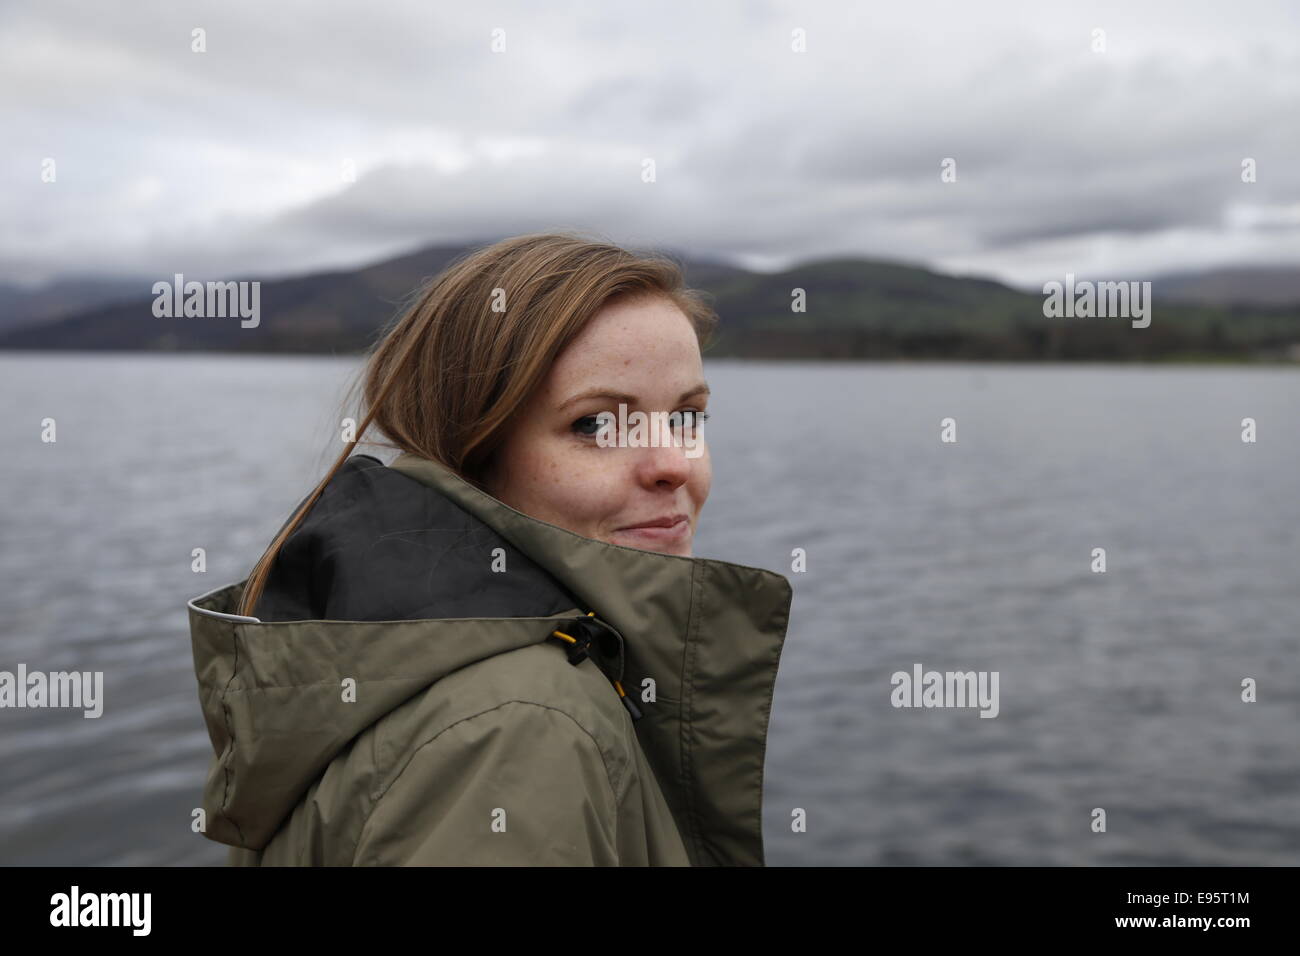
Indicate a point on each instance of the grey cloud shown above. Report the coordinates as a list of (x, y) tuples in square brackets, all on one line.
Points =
[(224, 161)]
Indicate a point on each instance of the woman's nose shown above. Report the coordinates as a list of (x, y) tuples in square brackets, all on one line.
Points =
[(666, 462)]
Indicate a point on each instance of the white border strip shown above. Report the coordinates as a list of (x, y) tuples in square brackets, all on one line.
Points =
[(217, 614)]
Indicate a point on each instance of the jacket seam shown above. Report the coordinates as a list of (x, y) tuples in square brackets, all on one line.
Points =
[(614, 791), (348, 622), (782, 619), (230, 732), (688, 716), (332, 682)]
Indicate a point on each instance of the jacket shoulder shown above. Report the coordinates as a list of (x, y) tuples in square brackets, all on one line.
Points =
[(518, 759), (521, 783), (533, 678)]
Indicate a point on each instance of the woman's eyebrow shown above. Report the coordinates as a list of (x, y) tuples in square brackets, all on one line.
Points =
[(700, 389)]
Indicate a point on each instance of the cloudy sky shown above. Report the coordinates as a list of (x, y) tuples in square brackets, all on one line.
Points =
[(235, 162)]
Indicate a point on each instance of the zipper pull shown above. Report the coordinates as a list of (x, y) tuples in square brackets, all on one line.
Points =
[(575, 647), (627, 702)]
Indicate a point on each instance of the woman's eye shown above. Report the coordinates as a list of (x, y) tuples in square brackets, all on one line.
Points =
[(588, 425), (693, 419)]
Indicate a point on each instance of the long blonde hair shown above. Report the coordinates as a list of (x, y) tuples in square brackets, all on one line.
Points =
[(476, 341)]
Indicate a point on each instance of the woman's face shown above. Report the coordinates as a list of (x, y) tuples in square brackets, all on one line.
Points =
[(643, 353)]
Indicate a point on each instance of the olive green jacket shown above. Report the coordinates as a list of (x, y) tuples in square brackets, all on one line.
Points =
[(472, 739)]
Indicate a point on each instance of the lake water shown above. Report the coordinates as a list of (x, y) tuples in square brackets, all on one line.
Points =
[(1119, 690)]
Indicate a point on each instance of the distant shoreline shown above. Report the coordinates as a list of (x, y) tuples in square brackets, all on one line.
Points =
[(1187, 359)]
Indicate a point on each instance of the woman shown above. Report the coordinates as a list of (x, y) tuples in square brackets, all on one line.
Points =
[(498, 648)]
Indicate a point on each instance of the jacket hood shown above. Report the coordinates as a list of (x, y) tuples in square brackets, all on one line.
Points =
[(342, 602)]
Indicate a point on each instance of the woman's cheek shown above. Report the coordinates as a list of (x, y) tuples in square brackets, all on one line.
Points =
[(602, 503), (702, 477)]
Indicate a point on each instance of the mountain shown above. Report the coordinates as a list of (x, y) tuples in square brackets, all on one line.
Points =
[(21, 306), (331, 311), (854, 308), (1268, 286)]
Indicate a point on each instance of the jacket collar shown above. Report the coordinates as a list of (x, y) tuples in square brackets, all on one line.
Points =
[(705, 635)]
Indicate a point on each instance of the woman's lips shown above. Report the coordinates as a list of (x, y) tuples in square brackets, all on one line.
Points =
[(679, 530)]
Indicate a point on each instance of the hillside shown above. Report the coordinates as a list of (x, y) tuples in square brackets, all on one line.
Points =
[(856, 308)]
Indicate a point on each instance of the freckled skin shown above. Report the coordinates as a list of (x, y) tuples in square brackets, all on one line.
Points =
[(647, 349)]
